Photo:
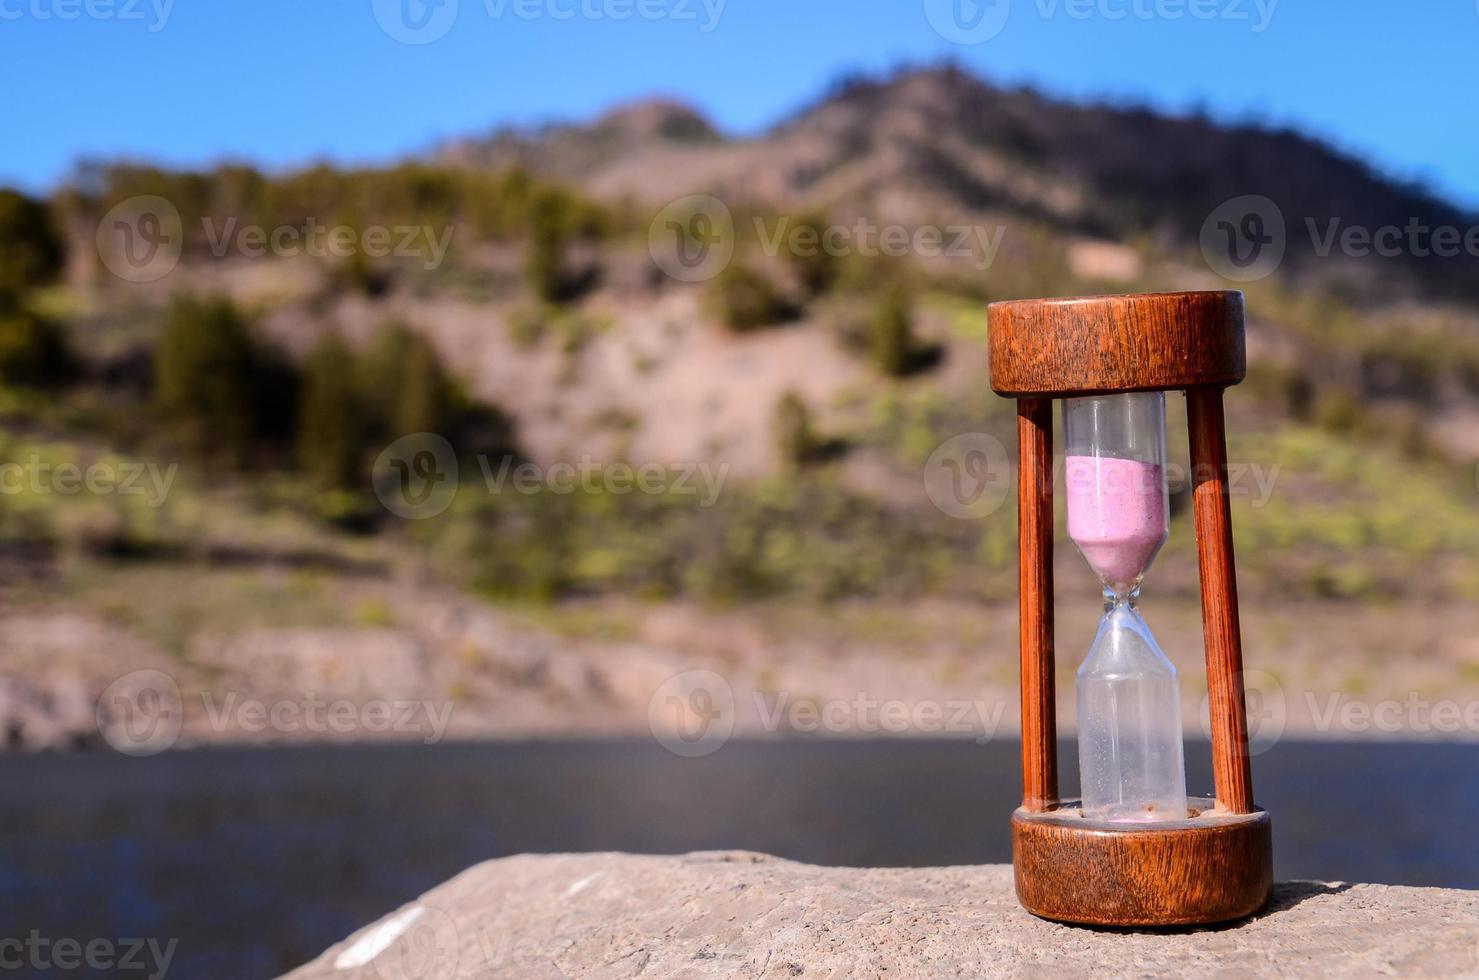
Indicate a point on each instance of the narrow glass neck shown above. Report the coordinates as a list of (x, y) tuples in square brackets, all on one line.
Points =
[(1113, 598)]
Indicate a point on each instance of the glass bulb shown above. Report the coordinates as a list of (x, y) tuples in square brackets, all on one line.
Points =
[(1129, 724), (1129, 705)]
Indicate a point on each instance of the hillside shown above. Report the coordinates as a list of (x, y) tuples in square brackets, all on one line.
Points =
[(532, 323)]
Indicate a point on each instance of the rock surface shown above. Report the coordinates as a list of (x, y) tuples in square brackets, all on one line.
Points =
[(738, 914)]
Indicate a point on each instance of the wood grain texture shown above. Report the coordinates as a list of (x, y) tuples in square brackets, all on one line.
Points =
[(1035, 601), (1214, 867), (1133, 342), (1221, 634)]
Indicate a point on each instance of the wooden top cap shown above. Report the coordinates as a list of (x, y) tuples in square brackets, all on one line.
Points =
[(1132, 342)]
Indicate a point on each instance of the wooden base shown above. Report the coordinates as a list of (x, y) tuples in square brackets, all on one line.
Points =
[(1212, 867)]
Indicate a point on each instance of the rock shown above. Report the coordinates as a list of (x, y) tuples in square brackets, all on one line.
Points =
[(738, 914)]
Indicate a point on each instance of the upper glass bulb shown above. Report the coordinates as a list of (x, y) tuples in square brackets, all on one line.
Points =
[(1115, 474)]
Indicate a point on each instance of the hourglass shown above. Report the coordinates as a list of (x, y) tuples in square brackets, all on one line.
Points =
[(1134, 850)]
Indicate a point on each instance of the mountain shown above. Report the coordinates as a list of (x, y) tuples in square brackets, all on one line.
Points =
[(926, 144)]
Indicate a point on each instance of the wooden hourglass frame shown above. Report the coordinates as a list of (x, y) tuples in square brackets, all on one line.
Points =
[(1217, 864)]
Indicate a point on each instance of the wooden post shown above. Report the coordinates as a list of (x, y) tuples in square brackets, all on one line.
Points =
[(1231, 773), (1035, 572)]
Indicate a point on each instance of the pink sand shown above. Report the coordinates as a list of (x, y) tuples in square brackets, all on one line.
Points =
[(1116, 515)]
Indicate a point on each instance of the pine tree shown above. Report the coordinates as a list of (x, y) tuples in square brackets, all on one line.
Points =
[(331, 423), (33, 349), (545, 261), (795, 442), (31, 252), (891, 332), (205, 372)]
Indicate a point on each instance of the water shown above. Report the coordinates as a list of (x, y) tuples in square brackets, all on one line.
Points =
[(257, 859)]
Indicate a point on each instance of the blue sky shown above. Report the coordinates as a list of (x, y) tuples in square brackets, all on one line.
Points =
[(284, 82)]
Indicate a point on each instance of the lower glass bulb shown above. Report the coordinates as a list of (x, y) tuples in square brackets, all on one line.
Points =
[(1129, 724)]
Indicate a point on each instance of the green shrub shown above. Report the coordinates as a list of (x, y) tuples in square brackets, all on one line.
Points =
[(1338, 410), (743, 299), (806, 255), (527, 325)]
